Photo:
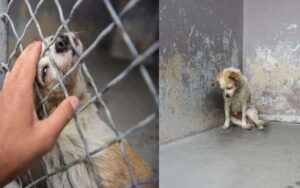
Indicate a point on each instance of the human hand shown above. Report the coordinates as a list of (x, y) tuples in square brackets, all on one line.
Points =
[(23, 137)]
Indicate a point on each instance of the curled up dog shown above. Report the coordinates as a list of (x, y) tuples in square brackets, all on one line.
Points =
[(238, 107)]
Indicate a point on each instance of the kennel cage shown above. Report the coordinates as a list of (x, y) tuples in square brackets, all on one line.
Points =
[(132, 41)]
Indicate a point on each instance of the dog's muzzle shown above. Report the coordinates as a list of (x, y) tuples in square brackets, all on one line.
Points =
[(227, 95), (62, 43)]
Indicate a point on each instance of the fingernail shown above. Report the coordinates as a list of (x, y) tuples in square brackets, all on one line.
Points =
[(74, 102)]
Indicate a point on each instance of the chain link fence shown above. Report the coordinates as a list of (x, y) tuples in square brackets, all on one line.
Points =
[(138, 61)]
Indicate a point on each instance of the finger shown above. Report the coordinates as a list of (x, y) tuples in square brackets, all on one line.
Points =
[(17, 64), (53, 125), (28, 67), (5, 82), (25, 66), (35, 116)]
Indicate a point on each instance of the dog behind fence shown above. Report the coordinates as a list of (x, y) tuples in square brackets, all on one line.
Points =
[(138, 61)]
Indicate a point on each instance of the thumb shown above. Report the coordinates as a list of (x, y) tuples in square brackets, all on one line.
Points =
[(54, 124)]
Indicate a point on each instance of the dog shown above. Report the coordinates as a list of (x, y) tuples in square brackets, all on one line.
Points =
[(113, 170), (238, 107)]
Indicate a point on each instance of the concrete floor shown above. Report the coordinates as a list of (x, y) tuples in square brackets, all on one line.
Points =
[(234, 158)]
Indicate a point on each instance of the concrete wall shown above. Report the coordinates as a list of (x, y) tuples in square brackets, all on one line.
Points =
[(197, 40), (272, 56)]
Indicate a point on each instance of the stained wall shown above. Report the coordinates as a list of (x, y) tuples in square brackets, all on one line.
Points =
[(197, 40), (271, 58)]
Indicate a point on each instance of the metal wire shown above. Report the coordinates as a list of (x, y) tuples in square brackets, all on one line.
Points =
[(138, 61)]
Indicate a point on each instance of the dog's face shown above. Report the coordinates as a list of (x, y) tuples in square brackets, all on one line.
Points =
[(63, 58), (58, 59), (229, 81)]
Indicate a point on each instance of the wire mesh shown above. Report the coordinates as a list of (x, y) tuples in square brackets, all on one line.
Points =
[(138, 61)]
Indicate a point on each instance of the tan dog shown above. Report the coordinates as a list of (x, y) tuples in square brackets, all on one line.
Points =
[(238, 106), (112, 169)]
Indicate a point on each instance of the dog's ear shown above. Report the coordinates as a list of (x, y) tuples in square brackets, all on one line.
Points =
[(234, 75), (216, 80)]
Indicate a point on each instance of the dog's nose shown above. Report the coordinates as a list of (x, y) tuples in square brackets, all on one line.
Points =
[(227, 95), (61, 43)]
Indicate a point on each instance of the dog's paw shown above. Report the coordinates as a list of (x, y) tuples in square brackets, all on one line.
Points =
[(260, 124), (226, 125), (246, 126), (260, 127)]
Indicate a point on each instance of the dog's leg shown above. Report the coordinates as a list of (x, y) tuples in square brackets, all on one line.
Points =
[(253, 115), (244, 117), (236, 121), (227, 115)]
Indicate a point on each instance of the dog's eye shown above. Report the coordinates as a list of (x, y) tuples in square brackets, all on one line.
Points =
[(229, 88), (44, 72)]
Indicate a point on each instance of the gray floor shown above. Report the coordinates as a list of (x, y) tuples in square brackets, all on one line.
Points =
[(234, 158)]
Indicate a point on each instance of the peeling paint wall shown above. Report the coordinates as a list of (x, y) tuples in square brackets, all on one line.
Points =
[(197, 40), (271, 57)]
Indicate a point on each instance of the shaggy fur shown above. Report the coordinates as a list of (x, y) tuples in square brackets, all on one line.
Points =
[(112, 169), (238, 107)]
